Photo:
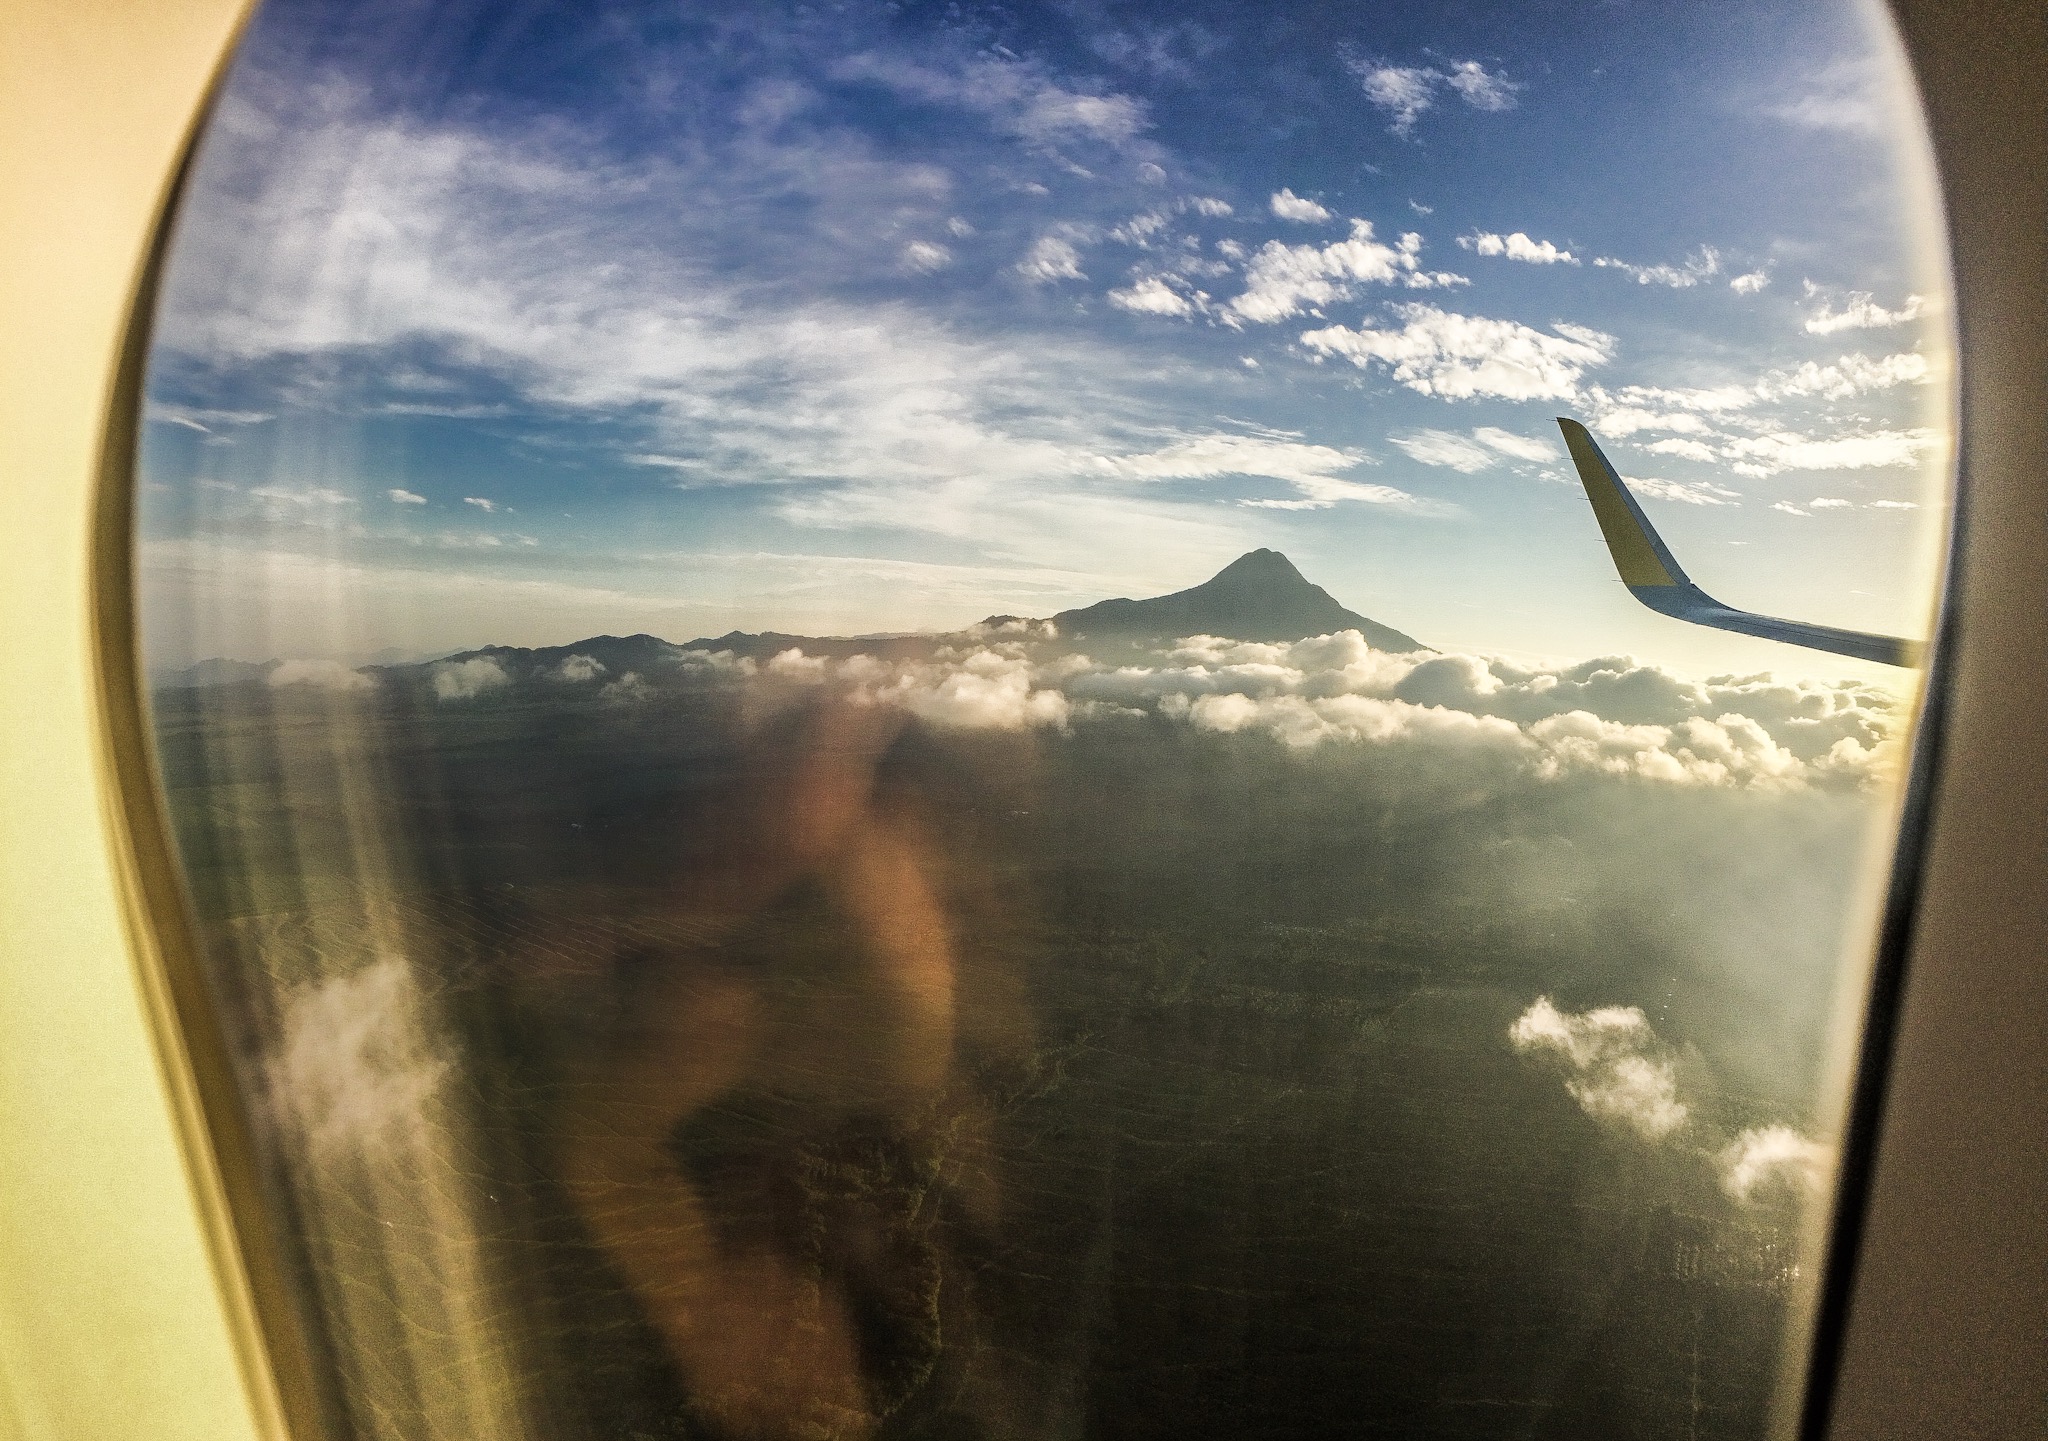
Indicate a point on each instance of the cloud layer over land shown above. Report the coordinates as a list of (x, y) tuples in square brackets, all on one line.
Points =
[(1609, 717)]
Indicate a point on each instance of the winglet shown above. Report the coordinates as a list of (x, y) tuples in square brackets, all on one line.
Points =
[(1639, 552), (1654, 577)]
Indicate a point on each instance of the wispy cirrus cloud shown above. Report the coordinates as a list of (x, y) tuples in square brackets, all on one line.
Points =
[(1693, 492), (1313, 470), (1847, 96), (1462, 357), (1016, 97), (1700, 266), (1482, 450), (1405, 92)]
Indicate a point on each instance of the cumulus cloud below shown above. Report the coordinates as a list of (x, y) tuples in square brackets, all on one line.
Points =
[(1622, 1074), (467, 679), (1766, 1158), (1604, 719), (1616, 1070), (319, 675)]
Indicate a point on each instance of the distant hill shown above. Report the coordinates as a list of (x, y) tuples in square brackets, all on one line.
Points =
[(1258, 596), (616, 653)]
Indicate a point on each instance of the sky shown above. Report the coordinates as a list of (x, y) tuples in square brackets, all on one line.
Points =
[(519, 324)]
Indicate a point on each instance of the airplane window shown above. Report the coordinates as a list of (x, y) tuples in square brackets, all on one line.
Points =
[(1003, 721)]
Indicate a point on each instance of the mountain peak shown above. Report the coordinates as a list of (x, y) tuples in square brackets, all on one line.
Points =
[(1259, 596), (1262, 565)]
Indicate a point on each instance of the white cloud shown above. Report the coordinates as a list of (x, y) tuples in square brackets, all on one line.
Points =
[(1141, 230), (1152, 296), (1459, 357), (1311, 469), (1847, 96), (1703, 264), (1700, 492), (1764, 1158), (1850, 375), (1283, 280), (1480, 88), (1700, 411), (1404, 92), (1600, 722), (1015, 96), (200, 418), (1441, 447), (1749, 282), (1617, 1070), (305, 497), (356, 1064), (1517, 246), (1050, 259), (576, 669), (925, 256), (1289, 206), (467, 679), (1788, 507), (486, 506), (404, 497), (1829, 502), (1687, 449), (1521, 447), (627, 689), (1785, 450), (320, 675), (1861, 312), (1894, 505)]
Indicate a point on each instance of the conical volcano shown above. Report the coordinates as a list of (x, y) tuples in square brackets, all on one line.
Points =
[(1258, 596)]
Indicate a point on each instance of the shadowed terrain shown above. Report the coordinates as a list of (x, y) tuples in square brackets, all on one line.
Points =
[(732, 1055)]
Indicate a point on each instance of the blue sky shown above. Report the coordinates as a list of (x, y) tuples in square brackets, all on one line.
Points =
[(518, 325)]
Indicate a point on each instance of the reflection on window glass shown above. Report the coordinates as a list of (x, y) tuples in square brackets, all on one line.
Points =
[(900, 720)]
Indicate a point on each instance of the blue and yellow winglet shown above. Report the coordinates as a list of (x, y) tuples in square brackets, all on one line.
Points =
[(1654, 577)]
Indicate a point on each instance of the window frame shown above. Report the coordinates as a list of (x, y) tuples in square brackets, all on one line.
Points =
[(131, 1300)]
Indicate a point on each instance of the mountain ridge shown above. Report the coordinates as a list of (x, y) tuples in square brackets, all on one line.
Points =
[(1260, 596)]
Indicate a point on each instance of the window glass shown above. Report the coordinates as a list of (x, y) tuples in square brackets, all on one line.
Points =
[(893, 719)]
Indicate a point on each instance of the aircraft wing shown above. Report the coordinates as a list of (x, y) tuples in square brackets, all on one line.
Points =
[(1654, 577)]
